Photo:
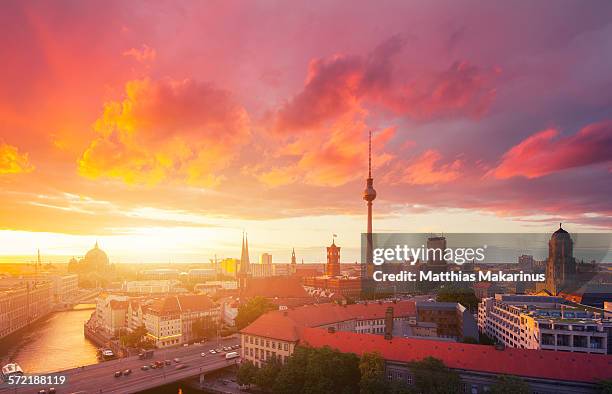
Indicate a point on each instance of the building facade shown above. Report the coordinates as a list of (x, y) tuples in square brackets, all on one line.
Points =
[(23, 302), (546, 323)]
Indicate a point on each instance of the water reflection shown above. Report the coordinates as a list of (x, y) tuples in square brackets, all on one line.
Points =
[(52, 344)]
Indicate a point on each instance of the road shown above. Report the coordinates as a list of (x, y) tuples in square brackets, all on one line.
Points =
[(99, 378)]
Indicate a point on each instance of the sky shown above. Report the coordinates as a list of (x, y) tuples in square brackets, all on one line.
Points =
[(164, 129)]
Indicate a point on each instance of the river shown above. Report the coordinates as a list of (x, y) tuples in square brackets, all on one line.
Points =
[(54, 343)]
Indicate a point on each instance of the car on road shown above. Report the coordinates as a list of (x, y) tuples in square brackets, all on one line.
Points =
[(127, 372), (153, 365), (212, 351), (203, 354), (218, 350), (118, 373), (159, 364), (168, 362), (145, 367), (42, 391), (180, 366), (236, 347), (177, 360), (185, 345)]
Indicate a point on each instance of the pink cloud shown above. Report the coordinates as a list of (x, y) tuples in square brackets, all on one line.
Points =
[(461, 90), (545, 152), (336, 85), (427, 170)]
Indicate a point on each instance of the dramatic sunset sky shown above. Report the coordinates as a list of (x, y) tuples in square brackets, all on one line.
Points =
[(163, 129)]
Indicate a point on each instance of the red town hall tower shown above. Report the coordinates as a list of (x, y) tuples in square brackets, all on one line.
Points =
[(333, 260)]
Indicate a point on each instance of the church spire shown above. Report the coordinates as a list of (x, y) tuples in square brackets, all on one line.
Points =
[(244, 254)]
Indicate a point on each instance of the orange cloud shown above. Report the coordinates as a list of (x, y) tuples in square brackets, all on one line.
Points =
[(543, 153), (12, 161), (145, 54), (425, 170), (330, 156), (167, 130)]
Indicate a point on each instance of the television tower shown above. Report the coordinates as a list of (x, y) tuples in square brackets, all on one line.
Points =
[(369, 195)]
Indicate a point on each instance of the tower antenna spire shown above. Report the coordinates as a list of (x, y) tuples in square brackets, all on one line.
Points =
[(370, 154)]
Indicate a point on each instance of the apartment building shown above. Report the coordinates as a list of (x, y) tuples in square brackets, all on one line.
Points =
[(452, 320), (150, 286), (22, 302), (276, 333), (169, 321), (543, 322), (65, 287), (111, 313)]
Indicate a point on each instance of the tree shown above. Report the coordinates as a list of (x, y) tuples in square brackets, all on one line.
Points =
[(251, 310), (267, 374), (372, 369), (247, 373), (135, 338), (329, 371), (432, 376), (318, 371), (464, 296), (204, 327), (292, 376), (506, 384), (605, 386)]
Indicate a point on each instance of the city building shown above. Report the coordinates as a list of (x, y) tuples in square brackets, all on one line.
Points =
[(261, 270), (95, 260), (452, 320), (478, 366), (526, 262), (159, 274), (65, 287), (201, 275), (546, 323), (265, 259), (151, 286), (334, 282), (333, 260), (23, 302), (111, 313), (169, 320), (560, 265), (276, 333)]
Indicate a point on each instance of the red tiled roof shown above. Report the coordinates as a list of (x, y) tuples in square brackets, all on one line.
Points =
[(181, 303), (287, 324), (274, 325), (117, 304), (544, 364), (275, 287), (165, 305), (197, 302)]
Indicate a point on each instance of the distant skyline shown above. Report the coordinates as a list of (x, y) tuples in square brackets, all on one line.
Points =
[(163, 130)]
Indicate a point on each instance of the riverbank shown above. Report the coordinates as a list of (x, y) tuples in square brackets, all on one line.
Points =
[(53, 343)]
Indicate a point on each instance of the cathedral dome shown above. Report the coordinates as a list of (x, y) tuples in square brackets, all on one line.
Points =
[(96, 257), (560, 231)]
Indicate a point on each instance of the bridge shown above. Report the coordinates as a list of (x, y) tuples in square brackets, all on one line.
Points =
[(99, 378)]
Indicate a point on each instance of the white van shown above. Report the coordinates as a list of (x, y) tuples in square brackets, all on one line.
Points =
[(231, 355)]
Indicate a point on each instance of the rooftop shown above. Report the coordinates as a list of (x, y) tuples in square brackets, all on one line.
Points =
[(578, 367), (287, 324)]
